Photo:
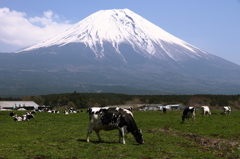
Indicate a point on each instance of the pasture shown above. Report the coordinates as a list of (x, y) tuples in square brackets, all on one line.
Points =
[(64, 137)]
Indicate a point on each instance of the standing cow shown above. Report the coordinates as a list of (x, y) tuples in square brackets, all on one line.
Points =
[(226, 110), (113, 118), (205, 110), (164, 110), (189, 112)]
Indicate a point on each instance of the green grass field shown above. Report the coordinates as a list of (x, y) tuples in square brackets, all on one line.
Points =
[(64, 137)]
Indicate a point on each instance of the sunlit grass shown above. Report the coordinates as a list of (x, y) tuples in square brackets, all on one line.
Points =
[(64, 136)]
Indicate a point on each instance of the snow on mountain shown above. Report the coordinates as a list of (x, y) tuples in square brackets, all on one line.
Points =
[(120, 26), (116, 51)]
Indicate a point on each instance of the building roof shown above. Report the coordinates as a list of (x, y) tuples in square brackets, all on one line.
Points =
[(10, 104)]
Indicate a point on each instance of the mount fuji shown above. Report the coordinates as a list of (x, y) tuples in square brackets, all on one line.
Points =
[(121, 52), (118, 27)]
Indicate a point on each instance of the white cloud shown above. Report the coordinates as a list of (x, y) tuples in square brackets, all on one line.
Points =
[(17, 30)]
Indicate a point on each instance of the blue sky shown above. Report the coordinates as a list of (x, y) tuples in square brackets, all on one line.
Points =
[(211, 25)]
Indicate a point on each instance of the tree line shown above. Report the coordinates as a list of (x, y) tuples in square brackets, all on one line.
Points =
[(86, 100)]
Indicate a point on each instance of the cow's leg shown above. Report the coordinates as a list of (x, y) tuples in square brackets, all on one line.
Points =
[(183, 119), (121, 135), (88, 136), (98, 135), (89, 131)]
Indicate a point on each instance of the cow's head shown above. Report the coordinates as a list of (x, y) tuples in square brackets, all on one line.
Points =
[(138, 136), (30, 116)]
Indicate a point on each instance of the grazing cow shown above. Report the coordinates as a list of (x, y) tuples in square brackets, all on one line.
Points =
[(205, 110), (113, 118), (189, 112), (226, 110)]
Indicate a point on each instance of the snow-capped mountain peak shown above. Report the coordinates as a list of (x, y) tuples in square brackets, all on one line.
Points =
[(119, 26), (117, 51)]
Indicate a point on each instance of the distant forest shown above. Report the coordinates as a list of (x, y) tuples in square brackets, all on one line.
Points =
[(86, 100)]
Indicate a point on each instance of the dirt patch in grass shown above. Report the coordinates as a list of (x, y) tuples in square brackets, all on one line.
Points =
[(220, 144), (223, 148)]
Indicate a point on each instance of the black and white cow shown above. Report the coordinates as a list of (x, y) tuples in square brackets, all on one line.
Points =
[(206, 110), (12, 114), (189, 112), (25, 117), (33, 112), (65, 112), (129, 108), (72, 110), (113, 118), (226, 110), (18, 118), (55, 111)]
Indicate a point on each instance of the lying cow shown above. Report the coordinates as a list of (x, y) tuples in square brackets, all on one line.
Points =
[(65, 112), (226, 110), (25, 117), (12, 114), (113, 118), (55, 111), (189, 112), (205, 110)]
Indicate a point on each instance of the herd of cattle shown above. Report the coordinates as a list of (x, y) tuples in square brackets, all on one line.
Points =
[(190, 112), (110, 118), (28, 115), (25, 117)]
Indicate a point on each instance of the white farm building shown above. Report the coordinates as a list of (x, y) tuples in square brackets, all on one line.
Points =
[(18, 105)]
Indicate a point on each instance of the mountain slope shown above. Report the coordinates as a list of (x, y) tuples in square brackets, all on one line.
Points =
[(124, 26), (114, 49)]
